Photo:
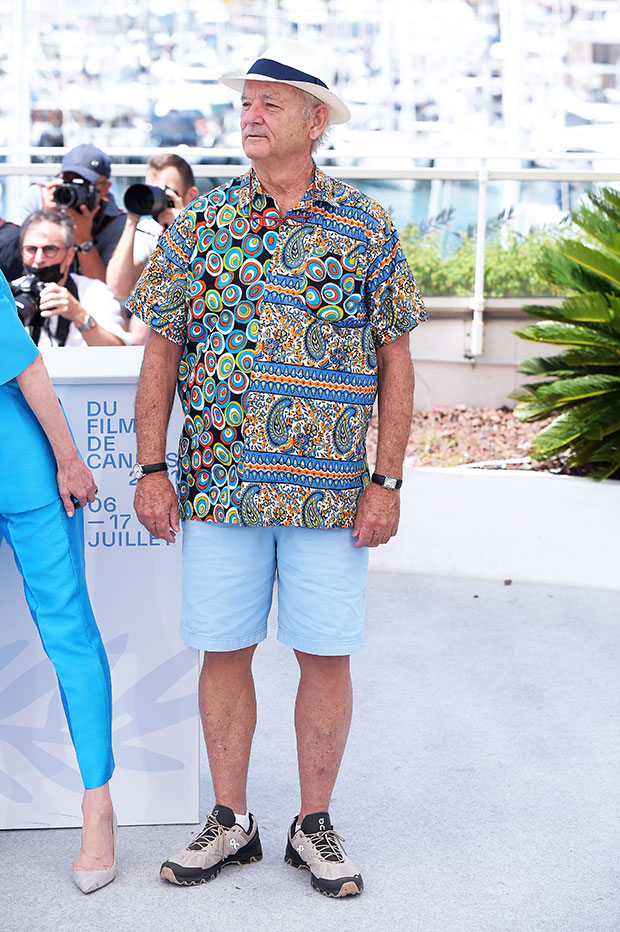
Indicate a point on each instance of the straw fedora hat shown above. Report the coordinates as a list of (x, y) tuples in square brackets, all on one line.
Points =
[(298, 64)]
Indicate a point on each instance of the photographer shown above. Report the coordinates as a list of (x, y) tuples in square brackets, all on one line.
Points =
[(82, 190), (57, 308), (175, 176)]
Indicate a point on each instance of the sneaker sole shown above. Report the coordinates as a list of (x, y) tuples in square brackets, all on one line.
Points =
[(167, 872), (349, 886)]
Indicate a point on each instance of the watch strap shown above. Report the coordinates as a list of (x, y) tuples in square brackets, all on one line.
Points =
[(153, 467), (387, 482)]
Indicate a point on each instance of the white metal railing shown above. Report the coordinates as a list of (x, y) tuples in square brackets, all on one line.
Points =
[(18, 164)]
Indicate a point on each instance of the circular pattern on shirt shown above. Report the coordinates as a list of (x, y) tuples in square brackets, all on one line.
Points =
[(204, 238), (238, 381), (334, 268), (330, 312), (245, 310), (233, 259), (213, 300), (197, 398), (226, 321), (251, 271), (223, 454), (252, 245), (217, 416), (229, 435), (201, 505), (255, 291), (239, 227), (226, 215), (225, 365), (331, 294), (231, 294), (196, 331), (208, 390), (219, 472), (236, 341), (245, 359), (203, 479), (315, 269), (234, 414), (222, 240), (270, 240), (217, 342), (222, 393)]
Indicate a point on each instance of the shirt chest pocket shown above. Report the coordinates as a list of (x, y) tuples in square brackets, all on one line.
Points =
[(334, 287)]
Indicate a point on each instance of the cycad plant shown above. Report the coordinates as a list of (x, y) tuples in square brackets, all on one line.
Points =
[(581, 387)]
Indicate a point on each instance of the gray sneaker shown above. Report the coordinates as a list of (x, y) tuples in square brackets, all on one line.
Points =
[(222, 841), (317, 848)]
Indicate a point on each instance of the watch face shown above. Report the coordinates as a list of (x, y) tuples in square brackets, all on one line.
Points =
[(389, 482), (137, 472)]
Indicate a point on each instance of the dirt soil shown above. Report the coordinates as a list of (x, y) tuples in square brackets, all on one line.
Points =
[(452, 436)]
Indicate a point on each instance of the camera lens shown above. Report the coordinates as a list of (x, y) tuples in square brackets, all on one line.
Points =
[(67, 195), (143, 199)]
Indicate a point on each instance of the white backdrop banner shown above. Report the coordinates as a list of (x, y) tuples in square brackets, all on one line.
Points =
[(135, 587)]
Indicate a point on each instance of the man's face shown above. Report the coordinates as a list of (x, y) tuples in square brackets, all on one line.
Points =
[(44, 244), (169, 177), (272, 122), (102, 184)]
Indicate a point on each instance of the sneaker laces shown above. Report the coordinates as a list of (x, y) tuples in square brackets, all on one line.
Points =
[(328, 845), (210, 832)]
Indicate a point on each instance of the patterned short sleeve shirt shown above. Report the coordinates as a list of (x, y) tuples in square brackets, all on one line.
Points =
[(280, 323)]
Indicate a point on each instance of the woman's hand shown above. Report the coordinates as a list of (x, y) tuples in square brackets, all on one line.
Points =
[(76, 484)]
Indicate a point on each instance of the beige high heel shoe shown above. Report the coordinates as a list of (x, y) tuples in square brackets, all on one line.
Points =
[(89, 881)]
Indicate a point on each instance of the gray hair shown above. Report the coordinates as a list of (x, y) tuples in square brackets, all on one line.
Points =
[(310, 103), (49, 216)]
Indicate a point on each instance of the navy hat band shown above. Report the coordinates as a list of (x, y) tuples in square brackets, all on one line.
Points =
[(273, 69)]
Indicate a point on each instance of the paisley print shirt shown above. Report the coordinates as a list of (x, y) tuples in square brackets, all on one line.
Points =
[(280, 323)]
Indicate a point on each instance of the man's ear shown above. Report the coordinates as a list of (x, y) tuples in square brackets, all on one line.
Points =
[(320, 119), (190, 194)]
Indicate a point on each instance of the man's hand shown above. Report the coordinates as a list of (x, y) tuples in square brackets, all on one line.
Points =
[(75, 481), (170, 214), (156, 506), (378, 511), (56, 299), (47, 193), (82, 220)]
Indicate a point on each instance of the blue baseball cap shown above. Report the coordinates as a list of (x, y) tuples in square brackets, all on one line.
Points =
[(87, 161)]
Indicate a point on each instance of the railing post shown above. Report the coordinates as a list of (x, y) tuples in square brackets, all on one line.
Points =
[(474, 337)]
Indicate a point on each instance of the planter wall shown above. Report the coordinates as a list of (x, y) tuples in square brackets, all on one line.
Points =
[(506, 524)]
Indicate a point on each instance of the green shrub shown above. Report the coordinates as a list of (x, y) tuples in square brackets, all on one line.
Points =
[(514, 263), (581, 385)]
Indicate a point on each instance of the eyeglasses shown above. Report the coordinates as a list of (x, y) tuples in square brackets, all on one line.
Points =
[(50, 252), (275, 219)]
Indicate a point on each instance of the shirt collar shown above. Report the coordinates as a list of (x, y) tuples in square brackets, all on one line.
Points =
[(322, 189)]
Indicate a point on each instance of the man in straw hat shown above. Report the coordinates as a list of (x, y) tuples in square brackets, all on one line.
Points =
[(279, 303)]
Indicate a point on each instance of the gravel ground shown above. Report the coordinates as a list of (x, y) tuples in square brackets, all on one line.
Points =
[(451, 436)]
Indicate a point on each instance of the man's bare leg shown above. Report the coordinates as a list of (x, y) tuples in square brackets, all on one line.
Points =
[(322, 719), (227, 703)]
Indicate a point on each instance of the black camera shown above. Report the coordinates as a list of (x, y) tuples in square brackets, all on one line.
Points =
[(143, 199), (75, 193), (27, 291)]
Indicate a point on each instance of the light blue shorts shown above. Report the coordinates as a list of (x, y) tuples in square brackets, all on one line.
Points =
[(228, 577)]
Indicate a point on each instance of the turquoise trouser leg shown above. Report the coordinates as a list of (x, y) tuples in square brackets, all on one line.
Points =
[(49, 551)]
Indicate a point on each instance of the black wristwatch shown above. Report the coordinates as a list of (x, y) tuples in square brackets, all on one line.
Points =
[(386, 482), (140, 470)]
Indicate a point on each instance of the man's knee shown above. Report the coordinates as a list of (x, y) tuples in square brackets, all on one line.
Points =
[(335, 667), (233, 661)]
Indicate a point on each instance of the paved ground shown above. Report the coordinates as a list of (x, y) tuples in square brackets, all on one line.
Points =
[(480, 791)]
